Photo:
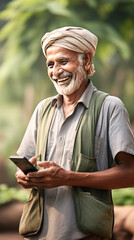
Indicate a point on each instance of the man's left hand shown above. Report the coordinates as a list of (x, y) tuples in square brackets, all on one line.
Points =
[(50, 177)]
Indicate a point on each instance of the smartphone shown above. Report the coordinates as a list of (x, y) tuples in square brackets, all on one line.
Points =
[(23, 164)]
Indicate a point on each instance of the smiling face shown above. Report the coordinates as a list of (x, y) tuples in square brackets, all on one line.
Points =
[(66, 71)]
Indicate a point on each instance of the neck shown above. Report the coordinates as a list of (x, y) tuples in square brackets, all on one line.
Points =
[(70, 101)]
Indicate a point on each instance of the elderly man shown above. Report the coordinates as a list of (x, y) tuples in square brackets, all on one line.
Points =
[(84, 143)]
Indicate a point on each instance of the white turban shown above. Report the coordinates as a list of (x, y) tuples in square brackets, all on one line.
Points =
[(77, 39)]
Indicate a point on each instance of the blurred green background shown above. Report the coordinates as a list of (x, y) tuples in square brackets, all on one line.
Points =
[(23, 77)]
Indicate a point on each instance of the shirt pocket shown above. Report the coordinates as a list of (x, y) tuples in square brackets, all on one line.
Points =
[(86, 164)]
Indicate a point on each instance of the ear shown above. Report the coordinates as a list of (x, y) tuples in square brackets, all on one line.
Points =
[(87, 60)]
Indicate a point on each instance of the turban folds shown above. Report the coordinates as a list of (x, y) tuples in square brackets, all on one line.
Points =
[(73, 38)]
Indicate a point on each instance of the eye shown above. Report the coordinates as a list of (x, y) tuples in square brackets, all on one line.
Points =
[(64, 61), (50, 65)]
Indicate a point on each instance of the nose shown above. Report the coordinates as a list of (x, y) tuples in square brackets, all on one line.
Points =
[(56, 71)]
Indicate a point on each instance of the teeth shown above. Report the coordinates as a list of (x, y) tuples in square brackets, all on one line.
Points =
[(63, 79)]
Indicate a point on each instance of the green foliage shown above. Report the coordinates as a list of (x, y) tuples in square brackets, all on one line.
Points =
[(8, 194), (123, 196), (10, 131), (28, 20)]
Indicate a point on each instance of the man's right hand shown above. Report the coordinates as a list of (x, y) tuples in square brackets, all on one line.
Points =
[(22, 178)]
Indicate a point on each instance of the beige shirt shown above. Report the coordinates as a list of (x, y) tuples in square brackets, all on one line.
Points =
[(113, 134)]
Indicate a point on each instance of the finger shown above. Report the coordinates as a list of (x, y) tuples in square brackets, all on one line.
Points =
[(26, 184), (20, 174), (46, 164), (38, 174), (33, 160), (36, 180)]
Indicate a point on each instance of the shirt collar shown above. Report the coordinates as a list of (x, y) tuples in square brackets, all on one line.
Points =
[(86, 96), (84, 99)]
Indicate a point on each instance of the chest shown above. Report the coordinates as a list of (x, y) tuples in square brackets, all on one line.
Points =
[(61, 137)]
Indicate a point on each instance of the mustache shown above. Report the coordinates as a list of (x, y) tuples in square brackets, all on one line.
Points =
[(62, 75)]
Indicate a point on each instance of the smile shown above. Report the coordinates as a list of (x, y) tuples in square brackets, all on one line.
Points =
[(63, 80)]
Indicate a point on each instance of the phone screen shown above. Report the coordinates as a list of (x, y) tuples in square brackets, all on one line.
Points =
[(23, 164)]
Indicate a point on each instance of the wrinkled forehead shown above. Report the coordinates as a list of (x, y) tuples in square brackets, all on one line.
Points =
[(54, 51), (61, 50)]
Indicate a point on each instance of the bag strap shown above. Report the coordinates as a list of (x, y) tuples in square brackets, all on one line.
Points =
[(43, 127), (85, 137)]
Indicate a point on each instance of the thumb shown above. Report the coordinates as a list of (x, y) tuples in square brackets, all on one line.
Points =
[(45, 164), (33, 160)]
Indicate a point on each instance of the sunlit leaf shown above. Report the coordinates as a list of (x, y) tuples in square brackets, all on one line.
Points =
[(105, 32), (57, 9)]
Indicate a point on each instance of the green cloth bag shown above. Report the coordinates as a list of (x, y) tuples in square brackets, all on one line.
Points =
[(94, 214), (32, 215)]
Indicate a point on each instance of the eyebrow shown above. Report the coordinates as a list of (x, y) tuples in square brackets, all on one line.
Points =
[(49, 62), (64, 58)]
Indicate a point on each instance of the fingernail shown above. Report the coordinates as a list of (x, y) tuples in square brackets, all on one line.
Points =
[(27, 178)]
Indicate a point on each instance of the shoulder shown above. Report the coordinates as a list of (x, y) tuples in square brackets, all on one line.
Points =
[(42, 103), (112, 105), (113, 101), (40, 106), (113, 108)]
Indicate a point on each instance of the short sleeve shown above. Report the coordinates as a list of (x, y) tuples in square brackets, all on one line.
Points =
[(120, 134), (28, 144)]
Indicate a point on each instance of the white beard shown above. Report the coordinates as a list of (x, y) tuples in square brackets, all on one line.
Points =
[(74, 84)]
